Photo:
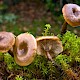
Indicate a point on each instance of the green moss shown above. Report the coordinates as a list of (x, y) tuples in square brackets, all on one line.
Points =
[(46, 30), (1, 56), (63, 60), (11, 64), (71, 45), (42, 67), (18, 77)]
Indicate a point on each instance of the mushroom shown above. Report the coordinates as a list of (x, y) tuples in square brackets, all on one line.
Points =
[(25, 49), (49, 46), (71, 14), (7, 40)]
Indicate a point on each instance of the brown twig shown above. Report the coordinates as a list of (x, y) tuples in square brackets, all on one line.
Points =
[(72, 74)]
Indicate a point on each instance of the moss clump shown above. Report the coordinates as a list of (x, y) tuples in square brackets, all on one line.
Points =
[(70, 55), (18, 77), (39, 69), (71, 44), (42, 68), (46, 30)]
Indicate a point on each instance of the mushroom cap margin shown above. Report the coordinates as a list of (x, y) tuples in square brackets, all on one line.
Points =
[(32, 46)]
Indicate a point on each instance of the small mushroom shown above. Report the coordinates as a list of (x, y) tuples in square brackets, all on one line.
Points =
[(7, 40), (49, 46), (25, 49), (71, 14)]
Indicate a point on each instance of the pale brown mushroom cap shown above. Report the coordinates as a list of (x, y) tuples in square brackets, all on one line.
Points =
[(25, 49), (50, 44), (7, 40), (71, 14)]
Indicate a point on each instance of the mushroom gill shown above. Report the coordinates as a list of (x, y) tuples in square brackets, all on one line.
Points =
[(49, 46), (25, 49), (7, 40)]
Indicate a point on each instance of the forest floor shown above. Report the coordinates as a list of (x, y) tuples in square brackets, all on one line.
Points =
[(32, 18)]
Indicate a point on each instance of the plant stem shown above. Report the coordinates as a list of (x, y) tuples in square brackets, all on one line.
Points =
[(49, 57), (64, 28)]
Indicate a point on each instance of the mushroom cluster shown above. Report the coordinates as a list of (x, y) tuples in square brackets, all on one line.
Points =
[(25, 46)]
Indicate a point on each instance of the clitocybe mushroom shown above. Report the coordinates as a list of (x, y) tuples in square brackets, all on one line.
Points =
[(49, 46), (7, 40), (24, 49), (71, 14)]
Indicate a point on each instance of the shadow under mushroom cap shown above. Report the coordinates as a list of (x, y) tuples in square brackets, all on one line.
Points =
[(7, 40), (25, 49), (50, 44)]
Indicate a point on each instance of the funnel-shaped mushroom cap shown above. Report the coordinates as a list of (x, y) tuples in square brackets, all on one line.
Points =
[(7, 40), (50, 44), (25, 49), (71, 14)]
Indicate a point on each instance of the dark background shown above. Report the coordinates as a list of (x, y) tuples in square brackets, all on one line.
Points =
[(20, 16)]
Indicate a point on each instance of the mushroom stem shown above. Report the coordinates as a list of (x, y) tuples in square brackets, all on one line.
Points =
[(53, 62), (64, 28), (49, 57)]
